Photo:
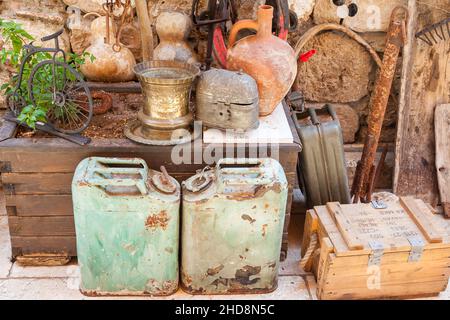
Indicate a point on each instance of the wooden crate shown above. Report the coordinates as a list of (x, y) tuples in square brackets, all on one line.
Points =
[(367, 253), (36, 175)]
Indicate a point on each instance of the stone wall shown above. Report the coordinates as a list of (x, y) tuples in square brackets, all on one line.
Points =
[(341, 73)]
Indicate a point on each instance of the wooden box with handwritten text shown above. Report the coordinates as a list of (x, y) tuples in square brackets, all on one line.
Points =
[(377, 250)]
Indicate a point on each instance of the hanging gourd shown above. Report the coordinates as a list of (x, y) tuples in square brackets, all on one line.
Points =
[(113, 61)]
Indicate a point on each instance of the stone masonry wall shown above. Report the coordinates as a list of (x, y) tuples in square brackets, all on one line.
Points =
[(341, 73)]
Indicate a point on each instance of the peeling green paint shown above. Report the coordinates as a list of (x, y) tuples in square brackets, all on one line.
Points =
[(119, 253), (232, 229)]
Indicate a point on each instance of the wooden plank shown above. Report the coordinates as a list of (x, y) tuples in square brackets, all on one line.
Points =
[(324, 264), (429, 256), (61, 245), (426, 83), (122, 87), (41, 226), (39, 183), (328, 228), (344, 226), (442, 135), (422, 221), (413, 290), (29, 159), (41, 205)]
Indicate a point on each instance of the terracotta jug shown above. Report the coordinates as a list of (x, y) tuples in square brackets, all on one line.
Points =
[(173, 29), (268, 59)]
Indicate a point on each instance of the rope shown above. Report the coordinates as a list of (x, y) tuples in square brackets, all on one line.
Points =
[(309, 252)]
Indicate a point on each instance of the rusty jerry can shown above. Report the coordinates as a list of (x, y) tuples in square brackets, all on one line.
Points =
[(227, 100), (232, 227), (127, 227)]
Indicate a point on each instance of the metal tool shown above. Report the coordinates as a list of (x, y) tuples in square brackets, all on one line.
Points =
[(126, 21), (47, 128), (396, 38), (108, 8), (435, 33), (217, 13)]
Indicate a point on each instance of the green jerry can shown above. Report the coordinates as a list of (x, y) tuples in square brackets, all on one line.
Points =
[(127, 227), (232, 227)]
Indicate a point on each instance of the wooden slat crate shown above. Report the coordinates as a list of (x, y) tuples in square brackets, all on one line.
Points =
[(362, 252), (37, 173)]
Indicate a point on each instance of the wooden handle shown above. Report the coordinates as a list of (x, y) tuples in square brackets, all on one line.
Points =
[(238, 26), (146, 30)]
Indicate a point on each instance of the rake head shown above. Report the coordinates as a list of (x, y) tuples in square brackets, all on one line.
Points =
[(435, 33)]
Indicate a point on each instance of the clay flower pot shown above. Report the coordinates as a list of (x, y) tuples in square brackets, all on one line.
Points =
[(268, 59)]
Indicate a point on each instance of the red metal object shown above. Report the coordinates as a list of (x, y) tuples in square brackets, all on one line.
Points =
[(306, 56)]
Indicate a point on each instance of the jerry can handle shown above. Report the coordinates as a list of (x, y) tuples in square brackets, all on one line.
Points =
[(313, 115), (328, 108), (140, 183), (332, 112), (261, 180)]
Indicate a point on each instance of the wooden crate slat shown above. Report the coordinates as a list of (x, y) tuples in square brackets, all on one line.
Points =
[(344, 226), (29, 160), (41, 226), (65, 245), (423, 222), (39, 183), (41, 205)]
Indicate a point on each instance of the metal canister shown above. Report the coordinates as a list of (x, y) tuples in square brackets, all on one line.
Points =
[(227, 100), (127, 227), (232, 227)]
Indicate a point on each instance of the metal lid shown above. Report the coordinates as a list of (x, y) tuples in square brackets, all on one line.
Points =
[(163, 182), (200, 181), (228, 86)]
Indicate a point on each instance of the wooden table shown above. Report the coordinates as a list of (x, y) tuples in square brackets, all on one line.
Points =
[(37, 175)]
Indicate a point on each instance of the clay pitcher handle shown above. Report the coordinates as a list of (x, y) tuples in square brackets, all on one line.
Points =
[(238, 26)]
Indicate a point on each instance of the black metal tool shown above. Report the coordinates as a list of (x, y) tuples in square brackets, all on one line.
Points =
[(435, 33), (218, 12), (45, 127)]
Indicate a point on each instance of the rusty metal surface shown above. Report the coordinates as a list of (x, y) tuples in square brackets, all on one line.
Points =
[(127, 227), (227, 100), (233, 219), (396, 38)]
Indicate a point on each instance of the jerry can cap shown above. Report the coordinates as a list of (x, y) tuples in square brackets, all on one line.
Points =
[(163, 182), (200, 181)]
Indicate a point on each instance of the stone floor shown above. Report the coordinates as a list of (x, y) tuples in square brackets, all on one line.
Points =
[(17, 282)]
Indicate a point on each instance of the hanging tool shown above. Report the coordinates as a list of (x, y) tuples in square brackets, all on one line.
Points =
[(108, 7), (435, 33), (396, 38), (126, 21), (214, 17)]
